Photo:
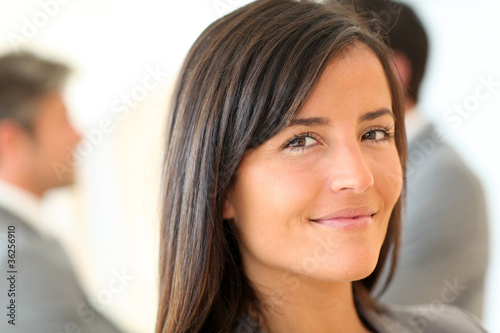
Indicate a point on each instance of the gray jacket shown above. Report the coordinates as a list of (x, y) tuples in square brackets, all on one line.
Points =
[(444, 243), (38, 288)]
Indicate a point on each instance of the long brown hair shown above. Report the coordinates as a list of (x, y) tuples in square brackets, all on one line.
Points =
[(244, 79)]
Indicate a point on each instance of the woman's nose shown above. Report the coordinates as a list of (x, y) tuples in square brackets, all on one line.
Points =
[(349, 170)]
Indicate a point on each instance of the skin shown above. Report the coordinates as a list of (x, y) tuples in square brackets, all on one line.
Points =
[(402, 65), (27, 159), (302, 271)]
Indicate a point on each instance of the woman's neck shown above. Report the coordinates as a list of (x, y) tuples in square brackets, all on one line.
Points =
[(293, 303)]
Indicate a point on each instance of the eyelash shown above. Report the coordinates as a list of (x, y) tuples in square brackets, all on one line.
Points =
[(298, 137), (387, 130)]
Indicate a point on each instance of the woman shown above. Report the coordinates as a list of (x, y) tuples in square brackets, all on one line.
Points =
[(284, 166)]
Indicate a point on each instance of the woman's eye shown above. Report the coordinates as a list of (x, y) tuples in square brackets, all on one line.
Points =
[(377, 135), (303, 141)]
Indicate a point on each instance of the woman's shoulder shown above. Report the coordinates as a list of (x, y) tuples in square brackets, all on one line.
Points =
[(431, 318)]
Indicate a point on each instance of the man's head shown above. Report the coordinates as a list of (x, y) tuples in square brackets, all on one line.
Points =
[(36, 137), (406, 37)]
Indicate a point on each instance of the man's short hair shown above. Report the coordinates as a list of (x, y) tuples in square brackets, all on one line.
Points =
[(405, 33), (24, 80)]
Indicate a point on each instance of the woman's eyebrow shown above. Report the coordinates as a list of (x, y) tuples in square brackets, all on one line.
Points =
[(315, 121), (318, 121), (376, 114)]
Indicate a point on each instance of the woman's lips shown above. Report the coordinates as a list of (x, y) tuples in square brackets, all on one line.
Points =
[(349, 219)]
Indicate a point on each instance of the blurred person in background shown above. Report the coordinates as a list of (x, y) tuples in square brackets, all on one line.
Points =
[(444, 243), (39, 289)]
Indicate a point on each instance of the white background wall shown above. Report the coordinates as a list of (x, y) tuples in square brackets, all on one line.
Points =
[(109, 221)]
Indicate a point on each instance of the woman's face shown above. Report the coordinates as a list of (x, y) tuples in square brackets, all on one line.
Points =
[(315, 200)]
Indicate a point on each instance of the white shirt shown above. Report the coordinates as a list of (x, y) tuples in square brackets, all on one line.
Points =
[(22, 204)]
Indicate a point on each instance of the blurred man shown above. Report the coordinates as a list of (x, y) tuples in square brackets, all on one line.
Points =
[(444, 244), (38, 288)]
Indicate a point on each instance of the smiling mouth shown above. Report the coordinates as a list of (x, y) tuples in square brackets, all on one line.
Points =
[(349, 219), (357, 217)]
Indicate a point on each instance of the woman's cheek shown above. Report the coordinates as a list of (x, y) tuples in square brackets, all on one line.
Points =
[(388, 176), (284, 189), (272, 200)]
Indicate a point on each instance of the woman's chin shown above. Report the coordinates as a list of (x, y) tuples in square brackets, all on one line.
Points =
[(343, 269)]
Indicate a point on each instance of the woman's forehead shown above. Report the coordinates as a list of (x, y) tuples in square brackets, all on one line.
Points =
[(353, 82)]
